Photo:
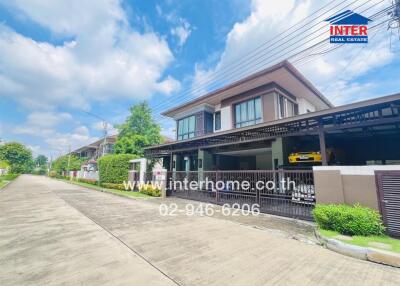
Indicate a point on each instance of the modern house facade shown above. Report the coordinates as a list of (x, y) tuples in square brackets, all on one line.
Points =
[(248, 130), (276, 93), (232, 128)]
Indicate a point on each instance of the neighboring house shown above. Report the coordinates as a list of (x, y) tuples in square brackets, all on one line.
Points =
[(94, 151), (257, 122), (97, 149)]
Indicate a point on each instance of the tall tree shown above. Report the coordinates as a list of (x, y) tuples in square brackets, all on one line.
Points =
[(61, 164), (17, 156), (41, 160), (138, 131)]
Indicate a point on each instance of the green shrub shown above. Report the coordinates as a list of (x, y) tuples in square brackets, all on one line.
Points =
[(114, 168), (114, 186), (39, 171), (8, 177), (88, 181), (349, 220), (52, 174), (150, 190)]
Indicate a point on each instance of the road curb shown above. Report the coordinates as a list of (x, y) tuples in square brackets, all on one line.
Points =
[(106, 191), (9, 182), (3, 187), (359, 252)]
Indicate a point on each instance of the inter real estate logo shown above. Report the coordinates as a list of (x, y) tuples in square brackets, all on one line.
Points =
[(348, 28)]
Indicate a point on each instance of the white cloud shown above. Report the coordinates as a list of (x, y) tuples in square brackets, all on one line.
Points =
[(267, 19), (62, 142), (182, 32), (104, 58), (36, 150), (45, 125), (100, 127)]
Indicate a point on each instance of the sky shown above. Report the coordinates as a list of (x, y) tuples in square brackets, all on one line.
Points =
[(62, 61)]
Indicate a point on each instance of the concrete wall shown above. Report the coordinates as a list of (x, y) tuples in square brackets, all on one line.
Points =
[(348, 184), (305, 106)]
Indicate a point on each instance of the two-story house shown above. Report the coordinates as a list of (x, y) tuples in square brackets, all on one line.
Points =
[(258, 121), (275, 93), (95, 150)]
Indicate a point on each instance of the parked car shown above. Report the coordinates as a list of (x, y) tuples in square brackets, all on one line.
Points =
[(303, 157)]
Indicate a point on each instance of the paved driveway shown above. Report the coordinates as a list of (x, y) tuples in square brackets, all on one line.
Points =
[(55, 233)]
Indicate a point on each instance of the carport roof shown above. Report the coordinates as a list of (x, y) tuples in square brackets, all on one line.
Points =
[(363, 114)]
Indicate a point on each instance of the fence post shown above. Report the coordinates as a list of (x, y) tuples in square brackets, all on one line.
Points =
[(160, 179)]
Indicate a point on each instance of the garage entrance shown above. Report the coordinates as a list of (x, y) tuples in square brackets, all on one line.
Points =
[(388, 186), (289, 193)]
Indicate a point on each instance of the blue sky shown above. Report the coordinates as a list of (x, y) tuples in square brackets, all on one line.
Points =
[(62, 58)]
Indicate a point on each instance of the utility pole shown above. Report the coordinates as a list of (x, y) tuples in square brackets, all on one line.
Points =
[(394, 22), (69, 159), (51, 163), (105, 129), (105, 137)]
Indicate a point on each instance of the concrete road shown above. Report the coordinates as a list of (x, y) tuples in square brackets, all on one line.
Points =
[(54, 233)]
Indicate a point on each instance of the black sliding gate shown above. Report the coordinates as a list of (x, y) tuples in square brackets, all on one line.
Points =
[(289, 193)]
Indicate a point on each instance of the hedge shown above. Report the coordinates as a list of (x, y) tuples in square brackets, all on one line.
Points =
[(88, 181), (150, 190), (114, 168), (349, 220), (114, 186)]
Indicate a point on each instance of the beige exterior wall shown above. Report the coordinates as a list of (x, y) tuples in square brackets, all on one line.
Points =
[(348, 184), (328, 187)]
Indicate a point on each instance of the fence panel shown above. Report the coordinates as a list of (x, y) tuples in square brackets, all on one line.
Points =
[(288, 193)]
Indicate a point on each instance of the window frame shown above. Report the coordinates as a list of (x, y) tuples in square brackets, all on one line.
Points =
[(242, 109), (186, 123), (284, 105), (216, 128)]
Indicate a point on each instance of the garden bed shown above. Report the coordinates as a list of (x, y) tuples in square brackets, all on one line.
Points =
[(130, 194)]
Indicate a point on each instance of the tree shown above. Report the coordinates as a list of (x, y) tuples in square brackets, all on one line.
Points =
[(138, 131), (4, 164), (41, 160), (131, 144), (61, 164), (17, 156)]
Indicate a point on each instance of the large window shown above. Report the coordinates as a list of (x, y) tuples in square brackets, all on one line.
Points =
[(286, 108), (217, 120), (186, 127), (248, 113)]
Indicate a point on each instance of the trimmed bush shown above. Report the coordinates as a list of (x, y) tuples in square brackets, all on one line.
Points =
[(114, 168), (88, 181), (114, 186), (52, 174), (150, 190), (349, 220)]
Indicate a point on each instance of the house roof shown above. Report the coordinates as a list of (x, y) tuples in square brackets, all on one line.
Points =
[(283, 74), (96, 144), (239, 135), (348, 17)]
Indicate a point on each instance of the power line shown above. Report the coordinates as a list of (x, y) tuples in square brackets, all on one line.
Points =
[(238, 62), (302, 44), (200, 87)]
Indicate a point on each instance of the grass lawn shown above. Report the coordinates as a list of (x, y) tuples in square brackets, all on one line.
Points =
[(3, 183), (6, 178), (366, 241), (130, 194)]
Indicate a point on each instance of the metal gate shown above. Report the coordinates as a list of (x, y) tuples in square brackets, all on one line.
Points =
[(388, 187), (289, 193)]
